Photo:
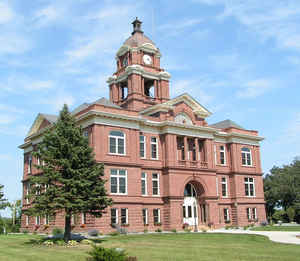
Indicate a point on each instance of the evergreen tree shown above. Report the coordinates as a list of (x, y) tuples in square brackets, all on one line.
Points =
[(71, 181), (3, 201)]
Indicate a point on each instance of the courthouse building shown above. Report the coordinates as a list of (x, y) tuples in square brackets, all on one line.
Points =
[(166, 167)]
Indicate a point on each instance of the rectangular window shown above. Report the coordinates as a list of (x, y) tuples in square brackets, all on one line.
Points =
[(142, 146), (144, 184), (249, 187), (246, 157), (248, 211), (86, 133), (117, 143), (222, 155), (189, 211), (254, 215), (114, 216), (73, 219), (155, 184), (83, 218), (46, 220), (27, 220), (183, 211), (145, 216), (224, 187), (37, 220), (226, 214), (156, 215), (124, 216), (29, 164), (118, 181), (27, 188), (154, 148)]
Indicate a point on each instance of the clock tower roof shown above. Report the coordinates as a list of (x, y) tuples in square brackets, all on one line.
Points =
[(137, 38)]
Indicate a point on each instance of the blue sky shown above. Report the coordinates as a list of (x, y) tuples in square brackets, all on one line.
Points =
[(240, 59)]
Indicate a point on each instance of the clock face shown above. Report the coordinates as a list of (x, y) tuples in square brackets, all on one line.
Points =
[(147, 59)]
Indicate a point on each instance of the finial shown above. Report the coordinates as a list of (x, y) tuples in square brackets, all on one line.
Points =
[(137, 24)]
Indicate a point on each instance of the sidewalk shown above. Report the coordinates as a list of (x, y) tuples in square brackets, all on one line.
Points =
[(276, 236)]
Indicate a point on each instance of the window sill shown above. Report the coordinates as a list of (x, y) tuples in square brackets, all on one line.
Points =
[(156, 196), (250, 196), (115, 154), (248, 166), (119, 194)]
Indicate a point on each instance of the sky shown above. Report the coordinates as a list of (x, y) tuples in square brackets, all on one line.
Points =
[(240, 59)]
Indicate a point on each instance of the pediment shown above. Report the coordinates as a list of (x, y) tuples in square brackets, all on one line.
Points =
[(40, 122), (195, 106)]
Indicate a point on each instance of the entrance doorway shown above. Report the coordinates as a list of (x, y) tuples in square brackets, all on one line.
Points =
[(190, 205)]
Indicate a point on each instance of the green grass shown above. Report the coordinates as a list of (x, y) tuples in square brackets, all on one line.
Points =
[(159, 247), (277, 228)]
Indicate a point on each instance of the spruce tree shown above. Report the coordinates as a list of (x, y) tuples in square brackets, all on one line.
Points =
[(3, 201), (71, 181)]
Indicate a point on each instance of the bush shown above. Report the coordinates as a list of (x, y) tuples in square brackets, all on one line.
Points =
[(158, 230), (114, 233), (86, 242), (245, 227), (99, 253), (57, 231), (145, 230), (25, 231), (279, 215), (291, 214), (203, 230), (264, 223), (93, 233), (174, 230)]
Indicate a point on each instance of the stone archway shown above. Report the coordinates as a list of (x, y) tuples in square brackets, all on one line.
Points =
[(194, 208)]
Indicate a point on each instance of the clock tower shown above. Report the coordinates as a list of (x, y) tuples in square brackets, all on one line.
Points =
[(139, 82)]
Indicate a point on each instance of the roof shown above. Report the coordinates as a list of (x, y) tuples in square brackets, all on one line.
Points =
[(105, 102), (138, 39), (50, 117), (226, 124)]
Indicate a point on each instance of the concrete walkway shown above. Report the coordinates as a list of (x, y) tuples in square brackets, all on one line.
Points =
[(276, 236)]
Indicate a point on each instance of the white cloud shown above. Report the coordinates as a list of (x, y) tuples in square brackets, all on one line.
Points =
[(6, 13), (39, 85), (56, 102), (14, 43), (47, 15), (255, 88)]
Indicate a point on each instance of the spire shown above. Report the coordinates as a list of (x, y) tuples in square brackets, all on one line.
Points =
[(137, 24)]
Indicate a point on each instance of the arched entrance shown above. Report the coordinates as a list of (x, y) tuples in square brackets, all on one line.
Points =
[(190, 205)]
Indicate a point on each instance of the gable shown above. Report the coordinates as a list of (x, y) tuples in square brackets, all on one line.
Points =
[(196, 108), (41, 122)]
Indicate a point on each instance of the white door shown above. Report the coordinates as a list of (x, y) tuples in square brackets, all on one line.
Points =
[(190, 206)]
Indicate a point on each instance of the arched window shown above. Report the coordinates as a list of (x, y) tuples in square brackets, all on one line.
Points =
[(246, 157), (189, 190), (117, 142)]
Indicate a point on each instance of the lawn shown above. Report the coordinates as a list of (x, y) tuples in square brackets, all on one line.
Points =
[(277, 228), (159, 247)]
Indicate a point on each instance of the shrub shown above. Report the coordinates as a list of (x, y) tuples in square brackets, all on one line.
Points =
[(245, 227), (291, 214), (227, 227), (203, 230), (158, 230), (25, 231), (279, 215), (187, 230), (145, 230), (93, 232), (72, 243), (99, 253), (60, 242), (264, 223), (114, 233), (174, 230), (57, 231), (48, 243), (86, 242)]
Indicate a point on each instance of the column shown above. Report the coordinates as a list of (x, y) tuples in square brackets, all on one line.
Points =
[(185, 148)]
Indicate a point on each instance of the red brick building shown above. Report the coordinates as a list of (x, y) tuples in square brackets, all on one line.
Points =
[(164, 164)]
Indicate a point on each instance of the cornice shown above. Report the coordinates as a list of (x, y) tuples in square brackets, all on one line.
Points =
[(146, 47), (138, 69)]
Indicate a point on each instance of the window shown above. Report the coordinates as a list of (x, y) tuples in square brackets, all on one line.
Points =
[(246, 157), (145, 216), (249, 187), (224, 187), (114, 216), (73, 219), (226, 214), (37, 220), (27, 190), (156, 215), (142, 146), (124, 216), (83, 218), (149, 87), (117, 142), (144, 184), (38, 161), (154, 148), (254, 216), (124, 90), (118, 181), (27, 220), (86, 133), (29, 164), (222, 155), (248, 211), (155, 184), (46, 220)]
